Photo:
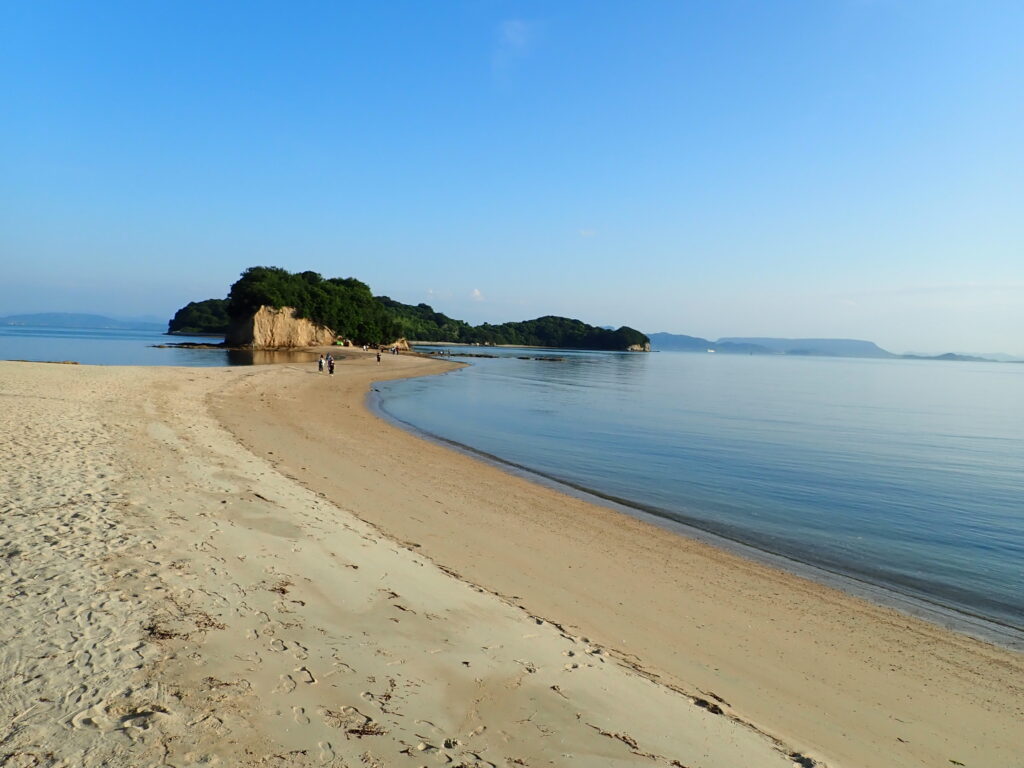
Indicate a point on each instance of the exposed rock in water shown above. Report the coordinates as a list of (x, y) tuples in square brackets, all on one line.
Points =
[(272, 328), (639, 347)]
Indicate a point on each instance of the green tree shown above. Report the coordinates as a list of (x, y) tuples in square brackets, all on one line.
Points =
[(210, 316)]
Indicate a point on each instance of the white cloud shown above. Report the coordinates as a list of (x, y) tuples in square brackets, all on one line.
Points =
[(515, 33), (476, 295), (515, 39)]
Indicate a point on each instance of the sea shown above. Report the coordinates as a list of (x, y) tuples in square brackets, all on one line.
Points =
[(126, 347), (901, 480)]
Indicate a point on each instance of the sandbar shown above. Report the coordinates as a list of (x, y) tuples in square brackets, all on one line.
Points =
[(245, 566)]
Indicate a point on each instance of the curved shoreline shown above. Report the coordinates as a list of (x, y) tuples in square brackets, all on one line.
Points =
[(840, 678), (946, 616)]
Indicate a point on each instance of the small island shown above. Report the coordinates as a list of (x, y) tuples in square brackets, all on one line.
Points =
[(270, 307)]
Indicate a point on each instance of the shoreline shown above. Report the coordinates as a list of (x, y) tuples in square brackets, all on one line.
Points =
[(246, 566), (943, 616), (858, 661)]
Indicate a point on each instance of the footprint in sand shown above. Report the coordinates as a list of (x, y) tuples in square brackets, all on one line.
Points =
[(340, 667), (326, 751), (84, 719), (287, 684), (299, 713)]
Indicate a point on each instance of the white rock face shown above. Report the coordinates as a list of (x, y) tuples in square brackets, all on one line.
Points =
[(273, 328)]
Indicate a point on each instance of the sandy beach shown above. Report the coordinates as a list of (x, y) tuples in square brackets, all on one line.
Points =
[(245, 566)]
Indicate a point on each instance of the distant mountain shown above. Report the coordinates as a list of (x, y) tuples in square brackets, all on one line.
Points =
[(951, 356), (674, 342), (818, 347), (79, 320), (996, 357), (999, 357)]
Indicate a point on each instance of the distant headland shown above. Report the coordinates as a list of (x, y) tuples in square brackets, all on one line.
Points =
[(271, 307), (78, 320), (755, 345)]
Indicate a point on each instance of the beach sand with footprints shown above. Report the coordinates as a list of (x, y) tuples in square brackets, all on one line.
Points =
[(243, 566)]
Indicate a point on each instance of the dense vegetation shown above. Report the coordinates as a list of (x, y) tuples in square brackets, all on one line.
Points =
[(422, 323), (210, 316), (346, 306)]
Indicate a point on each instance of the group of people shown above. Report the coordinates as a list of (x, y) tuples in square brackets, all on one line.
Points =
[(329, 361)]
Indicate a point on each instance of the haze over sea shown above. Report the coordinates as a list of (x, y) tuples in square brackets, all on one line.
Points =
[(904, 474)]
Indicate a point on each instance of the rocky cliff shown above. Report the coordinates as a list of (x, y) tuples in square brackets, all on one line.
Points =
[(646, 347), (273, 328)]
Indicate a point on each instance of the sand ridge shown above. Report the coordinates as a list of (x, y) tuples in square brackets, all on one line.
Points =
[(172, 598)]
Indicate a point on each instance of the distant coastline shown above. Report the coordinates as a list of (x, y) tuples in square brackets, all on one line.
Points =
[(660, 341), (817, 347), (79, 321)]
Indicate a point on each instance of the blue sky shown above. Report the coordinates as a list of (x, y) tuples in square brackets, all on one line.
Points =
[(815, 168)]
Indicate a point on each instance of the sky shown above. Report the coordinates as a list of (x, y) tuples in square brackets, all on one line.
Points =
[(814, 168)]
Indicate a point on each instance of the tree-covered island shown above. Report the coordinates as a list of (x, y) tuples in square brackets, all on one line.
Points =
[(201, 318), (348, 307)]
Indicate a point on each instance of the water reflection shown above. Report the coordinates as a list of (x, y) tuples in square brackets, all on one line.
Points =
[(131, 347), (270, 356)]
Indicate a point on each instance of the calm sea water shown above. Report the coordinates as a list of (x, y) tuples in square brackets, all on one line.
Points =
[(106, 347), (904, 474)]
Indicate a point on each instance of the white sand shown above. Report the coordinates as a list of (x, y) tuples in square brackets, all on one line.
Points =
[(171, 599), (175, 593)]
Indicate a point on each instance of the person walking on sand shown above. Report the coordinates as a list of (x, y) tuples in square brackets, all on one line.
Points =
[(378, 357), (320, 364), (330, 366)]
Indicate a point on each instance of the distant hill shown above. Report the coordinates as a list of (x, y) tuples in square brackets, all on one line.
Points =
[(991, 357), (999, 357), (78, 320), (422, 323), (951, 356), (674, 342), (820, 347)]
